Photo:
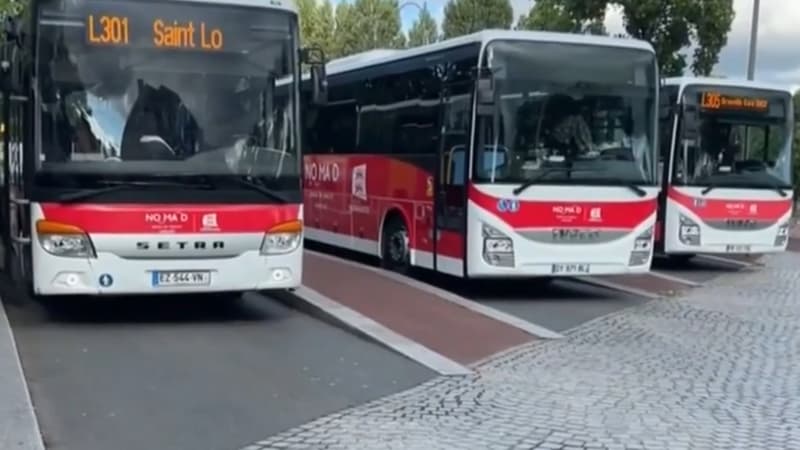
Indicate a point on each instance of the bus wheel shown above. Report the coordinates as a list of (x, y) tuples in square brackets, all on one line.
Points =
[(395, 251)]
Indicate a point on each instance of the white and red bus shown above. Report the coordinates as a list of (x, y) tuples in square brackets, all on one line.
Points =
[(726, 168), (151, 149), (501, 153)]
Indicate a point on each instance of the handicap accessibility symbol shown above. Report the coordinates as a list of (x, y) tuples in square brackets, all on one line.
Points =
[(106, 280)]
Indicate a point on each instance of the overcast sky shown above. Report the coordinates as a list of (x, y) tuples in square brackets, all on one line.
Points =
[(778, 40)]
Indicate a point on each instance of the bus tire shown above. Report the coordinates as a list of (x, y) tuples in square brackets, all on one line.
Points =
[(395, 251)]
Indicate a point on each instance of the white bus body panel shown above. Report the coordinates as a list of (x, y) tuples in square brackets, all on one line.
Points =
[(730, 221), (242, 268), (533, 256)]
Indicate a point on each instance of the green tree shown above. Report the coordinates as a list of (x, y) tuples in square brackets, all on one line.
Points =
[(316, 24), (368, 24), (468, 16), (552, 15), (670, 26), (424, 30)]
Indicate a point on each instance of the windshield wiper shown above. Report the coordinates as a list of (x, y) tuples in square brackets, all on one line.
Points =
[(774, 187), (256, 187), (535, 180), (113, 186)]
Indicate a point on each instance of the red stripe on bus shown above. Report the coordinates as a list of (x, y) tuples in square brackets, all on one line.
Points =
[(200, 218), (715, 209), (595, 214)]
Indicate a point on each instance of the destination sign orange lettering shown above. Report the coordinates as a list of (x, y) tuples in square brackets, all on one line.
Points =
[(107, 30), (720, 102), (115, 30)]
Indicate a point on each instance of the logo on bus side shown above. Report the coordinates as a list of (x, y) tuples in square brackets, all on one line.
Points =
[(509, 205)]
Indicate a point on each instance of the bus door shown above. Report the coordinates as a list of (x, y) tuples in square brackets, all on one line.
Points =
[(15, 203), (450, 202)]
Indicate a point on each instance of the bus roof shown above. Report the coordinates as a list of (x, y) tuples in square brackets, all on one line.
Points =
[(286, 5), (382, 56), (682, 82)]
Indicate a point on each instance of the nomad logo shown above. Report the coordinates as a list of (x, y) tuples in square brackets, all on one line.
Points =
[(740, 224), (166, 217), (180, 245), (567, 234)]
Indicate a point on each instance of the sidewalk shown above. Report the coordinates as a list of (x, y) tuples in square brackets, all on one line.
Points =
[(19, 429)]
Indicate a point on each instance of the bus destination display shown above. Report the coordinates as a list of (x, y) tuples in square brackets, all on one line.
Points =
[(717, 101), (118, 30)]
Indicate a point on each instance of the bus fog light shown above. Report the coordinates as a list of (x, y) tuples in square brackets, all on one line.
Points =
[(642, 248), (70, 279), (280, 274), (689, 231), (64, 240), (498, 248), (783, 235), (282, 238)]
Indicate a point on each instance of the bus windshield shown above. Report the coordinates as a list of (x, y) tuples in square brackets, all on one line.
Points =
[(129, 88), (567, 113), (734, 137)]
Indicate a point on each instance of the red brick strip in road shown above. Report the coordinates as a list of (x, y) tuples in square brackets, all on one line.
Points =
[(442, 326)]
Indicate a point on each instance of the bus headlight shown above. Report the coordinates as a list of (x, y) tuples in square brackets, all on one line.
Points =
[(783, 235), (642, 248), (498, 248), (689, 231), (65, 240), (282, 238)]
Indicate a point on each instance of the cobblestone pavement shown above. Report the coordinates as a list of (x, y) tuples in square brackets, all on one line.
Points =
[(715, 369)]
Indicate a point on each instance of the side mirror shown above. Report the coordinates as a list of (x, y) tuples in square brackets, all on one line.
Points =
[(485, 87), (315, 57), (691, 122), (319, 84)]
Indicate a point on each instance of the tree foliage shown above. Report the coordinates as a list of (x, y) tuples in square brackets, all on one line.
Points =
[(468, 16), (317, 25), (367, 24), (424, 30), (670, 26), (552, 15)]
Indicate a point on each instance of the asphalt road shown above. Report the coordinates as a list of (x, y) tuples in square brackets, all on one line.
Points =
[(189, 373), (558, 306)]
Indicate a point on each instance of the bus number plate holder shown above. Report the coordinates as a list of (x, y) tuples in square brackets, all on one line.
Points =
[(582, 269), (181, 278)]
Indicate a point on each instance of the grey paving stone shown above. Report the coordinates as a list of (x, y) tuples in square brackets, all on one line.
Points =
[(709, 370)]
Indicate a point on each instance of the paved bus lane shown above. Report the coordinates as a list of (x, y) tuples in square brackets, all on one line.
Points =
[(191, 373)]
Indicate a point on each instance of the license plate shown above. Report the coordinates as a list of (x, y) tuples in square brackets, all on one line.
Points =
[(181, 278), (570, 268), (737, 248)]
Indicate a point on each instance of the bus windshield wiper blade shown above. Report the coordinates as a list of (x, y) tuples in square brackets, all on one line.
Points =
[(113, 186), (535, 180), (636, 189), (708, 189), (257, 187)]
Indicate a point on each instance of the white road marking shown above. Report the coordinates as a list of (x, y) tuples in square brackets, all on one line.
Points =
[(383, 335), (675, 279), (724, 260), (500, 316), (618, 287), (19, 428)]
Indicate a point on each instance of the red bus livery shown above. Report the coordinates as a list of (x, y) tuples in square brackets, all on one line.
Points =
[(727, 167), (142, 165), (455, 157)]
